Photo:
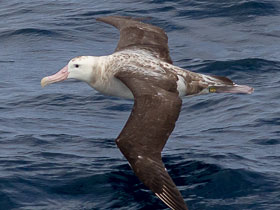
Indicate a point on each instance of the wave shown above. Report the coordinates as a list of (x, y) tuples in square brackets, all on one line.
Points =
[(6, 202), (72, 101), (29, 32), (58, 99), (203, 185), (209, 184), (231, 67), (269, 141), (238, 11)]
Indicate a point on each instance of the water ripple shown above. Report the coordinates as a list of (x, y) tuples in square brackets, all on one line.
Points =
[(57, 144)]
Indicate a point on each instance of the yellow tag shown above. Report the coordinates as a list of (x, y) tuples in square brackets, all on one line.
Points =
[(212, 90)]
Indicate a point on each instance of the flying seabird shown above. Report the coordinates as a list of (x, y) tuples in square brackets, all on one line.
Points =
[(141, 69)]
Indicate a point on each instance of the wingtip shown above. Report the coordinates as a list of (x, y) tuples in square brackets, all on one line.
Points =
[(170, 203)]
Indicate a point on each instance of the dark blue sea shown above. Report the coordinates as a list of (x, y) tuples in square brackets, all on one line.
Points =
[(57, 144)]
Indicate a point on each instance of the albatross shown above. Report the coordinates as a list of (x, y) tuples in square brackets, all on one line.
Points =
[(141, 69)]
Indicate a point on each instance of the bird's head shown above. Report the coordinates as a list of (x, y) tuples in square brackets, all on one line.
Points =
[(80, 68)]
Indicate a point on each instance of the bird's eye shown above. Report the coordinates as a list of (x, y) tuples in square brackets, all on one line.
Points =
[(76, 65)]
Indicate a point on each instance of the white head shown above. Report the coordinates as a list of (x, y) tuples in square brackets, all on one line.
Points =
[(81, 68)]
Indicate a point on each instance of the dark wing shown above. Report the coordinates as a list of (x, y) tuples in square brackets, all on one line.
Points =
[(155, 111), (135, 34)]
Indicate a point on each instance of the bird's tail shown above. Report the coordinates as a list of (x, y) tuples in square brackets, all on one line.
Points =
[(220, 84), (202, 84), (231, 89)]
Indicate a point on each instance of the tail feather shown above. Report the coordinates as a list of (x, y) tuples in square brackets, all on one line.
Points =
[(232, 89), (197, 84), (225, 85)]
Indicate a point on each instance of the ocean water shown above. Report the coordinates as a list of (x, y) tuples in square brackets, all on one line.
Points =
[(57, 148)]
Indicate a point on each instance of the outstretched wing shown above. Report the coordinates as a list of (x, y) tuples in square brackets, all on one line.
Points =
[(136, 34), (155, 111)]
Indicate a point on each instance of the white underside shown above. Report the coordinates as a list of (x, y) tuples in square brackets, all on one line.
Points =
[(114, 88), (108, 84)]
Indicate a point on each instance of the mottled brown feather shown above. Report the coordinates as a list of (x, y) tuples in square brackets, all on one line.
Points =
[(138, 35), (155, 111)]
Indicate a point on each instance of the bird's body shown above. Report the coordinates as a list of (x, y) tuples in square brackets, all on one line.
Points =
[(142, 62), (141, 69)]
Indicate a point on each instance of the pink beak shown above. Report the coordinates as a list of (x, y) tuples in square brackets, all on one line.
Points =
[(59, 76)]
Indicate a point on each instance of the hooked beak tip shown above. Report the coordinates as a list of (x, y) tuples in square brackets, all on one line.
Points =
[(59, 76), (44, 82)]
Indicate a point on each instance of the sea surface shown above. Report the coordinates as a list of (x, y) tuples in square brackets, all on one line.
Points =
[(57, 144)]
